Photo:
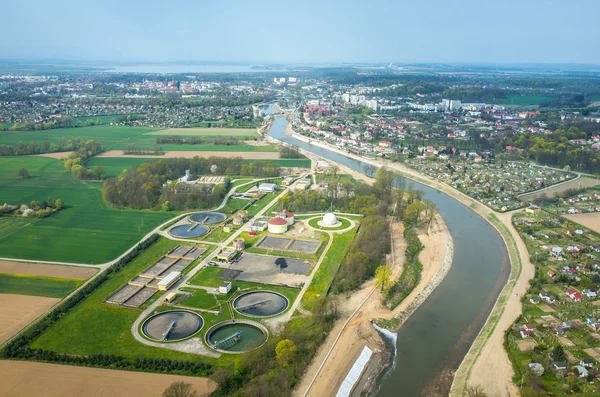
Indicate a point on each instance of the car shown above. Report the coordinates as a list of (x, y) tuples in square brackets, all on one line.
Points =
[(212, 263)]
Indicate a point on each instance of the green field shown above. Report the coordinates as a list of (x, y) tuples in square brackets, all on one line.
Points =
[(93, 327), (114, 166), (526, 99), (117, 138), (11, 225), (208, 277), (208, 132), (85, 231), (37, 286)]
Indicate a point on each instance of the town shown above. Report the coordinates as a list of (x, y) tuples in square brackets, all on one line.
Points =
[(265, 232)]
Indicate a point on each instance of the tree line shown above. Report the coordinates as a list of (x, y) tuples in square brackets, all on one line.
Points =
[(152, 184), (22, 149), (289, 152), (196, 140), (75, 162), (37, 209)]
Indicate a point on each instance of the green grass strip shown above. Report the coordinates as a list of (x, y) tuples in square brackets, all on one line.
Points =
[(37, 286)]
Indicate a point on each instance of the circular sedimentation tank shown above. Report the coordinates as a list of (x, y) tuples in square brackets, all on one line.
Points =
[(188, 230), (237, 336), (172, 325), (207, 218), (261, 303)]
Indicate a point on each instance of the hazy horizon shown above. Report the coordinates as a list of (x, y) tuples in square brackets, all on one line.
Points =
[(461, 32)]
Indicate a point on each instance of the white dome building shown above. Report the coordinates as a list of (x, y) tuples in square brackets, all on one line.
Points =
[(329, 220)]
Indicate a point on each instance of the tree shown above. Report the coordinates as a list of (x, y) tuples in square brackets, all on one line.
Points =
[(475, 391), (58, 204), (285, 352), (558, 353), (180, 389), (23, 173), (383, 276), (166, 206)]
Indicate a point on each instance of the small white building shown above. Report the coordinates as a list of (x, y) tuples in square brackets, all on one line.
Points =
[(258, 226), (185, 178), (303, 184), (225, 288), (168, 281), (267, 187)]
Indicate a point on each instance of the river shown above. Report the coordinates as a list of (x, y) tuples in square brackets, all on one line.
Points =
[(433, 342)]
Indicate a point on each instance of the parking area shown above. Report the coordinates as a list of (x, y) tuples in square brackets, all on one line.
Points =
[(269, 269)]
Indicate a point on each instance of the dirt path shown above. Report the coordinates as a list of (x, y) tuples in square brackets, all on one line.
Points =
[(192, 154), (30, 379), (333, 364), (40, 269), (493, 358), (17, 311), (55, 155)]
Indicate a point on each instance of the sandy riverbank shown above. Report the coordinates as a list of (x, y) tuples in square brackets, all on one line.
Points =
[(489, 357), (354, 330)]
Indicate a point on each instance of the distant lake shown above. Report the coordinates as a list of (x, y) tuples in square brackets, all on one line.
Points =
[(183, 68)]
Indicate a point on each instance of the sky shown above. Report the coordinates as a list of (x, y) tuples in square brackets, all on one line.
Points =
[(307, 31)]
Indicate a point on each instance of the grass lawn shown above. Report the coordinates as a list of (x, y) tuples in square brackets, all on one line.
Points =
[(260, 204), (200, 299), (208, 132), (315, 223), (341, 178), (85, 231), (234, 204), (36, 285), (208, 277), (93, 327), (218, 235), (328, 269)]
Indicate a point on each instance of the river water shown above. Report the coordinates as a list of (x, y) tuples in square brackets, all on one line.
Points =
[(433, 341)]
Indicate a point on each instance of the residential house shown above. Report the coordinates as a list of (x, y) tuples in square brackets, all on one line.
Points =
[(581, 371), (587, 362), (576, 296), (560, 366)]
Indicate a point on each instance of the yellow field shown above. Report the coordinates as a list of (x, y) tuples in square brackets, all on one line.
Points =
[(17, 311), (591, 221), (30, 379), (40, 269)]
